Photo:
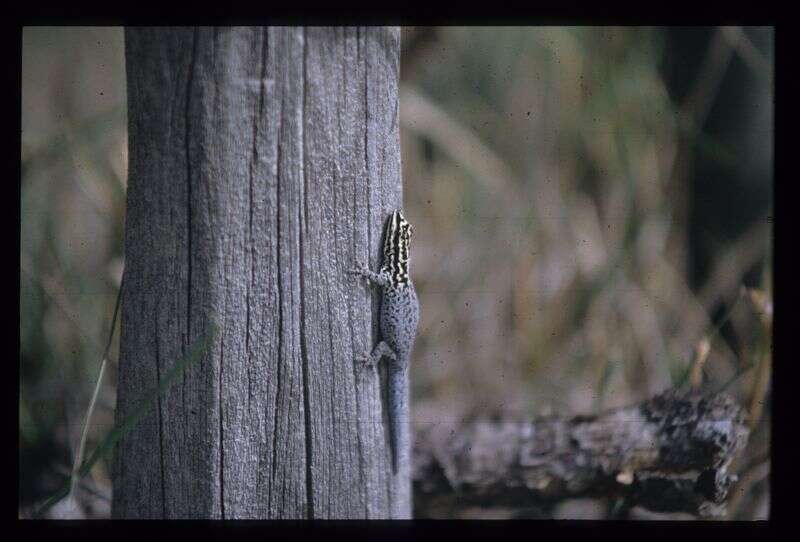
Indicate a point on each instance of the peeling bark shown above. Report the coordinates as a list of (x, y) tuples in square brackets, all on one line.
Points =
[(668, 454)]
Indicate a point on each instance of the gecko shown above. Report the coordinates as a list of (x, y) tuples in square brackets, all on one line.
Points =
[(399, 316)]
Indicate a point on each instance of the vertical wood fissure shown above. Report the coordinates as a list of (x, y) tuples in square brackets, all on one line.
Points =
[(160, 421), (338, 177), (221, 430), (279, 267), (302, 218), (188, 117), (187, 140)]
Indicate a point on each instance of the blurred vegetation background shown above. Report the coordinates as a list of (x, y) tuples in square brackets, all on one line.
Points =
[(592, 209)]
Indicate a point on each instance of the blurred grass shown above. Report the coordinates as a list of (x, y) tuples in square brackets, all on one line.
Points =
[(73, 169), (553, 256), (104, 448), (551, 174)]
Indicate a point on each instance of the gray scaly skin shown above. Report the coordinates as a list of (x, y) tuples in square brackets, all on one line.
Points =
[(399, 317)]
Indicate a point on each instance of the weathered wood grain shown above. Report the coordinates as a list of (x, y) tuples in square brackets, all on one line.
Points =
[(668, 454), (262, 163)]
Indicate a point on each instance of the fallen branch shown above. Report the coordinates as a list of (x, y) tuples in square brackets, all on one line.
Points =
[(668, 454)]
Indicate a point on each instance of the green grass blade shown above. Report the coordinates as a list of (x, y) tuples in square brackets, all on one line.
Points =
[(196, 352)]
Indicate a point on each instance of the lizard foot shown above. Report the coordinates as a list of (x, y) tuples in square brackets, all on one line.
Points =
[(359, 270), (365, 361)]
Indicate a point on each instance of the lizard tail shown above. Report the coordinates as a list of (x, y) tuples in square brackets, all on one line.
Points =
[(398, 416)]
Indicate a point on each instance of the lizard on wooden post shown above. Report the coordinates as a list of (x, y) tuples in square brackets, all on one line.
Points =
[(399, 316)]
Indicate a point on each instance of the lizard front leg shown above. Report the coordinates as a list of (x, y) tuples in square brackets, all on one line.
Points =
[(381, 278)]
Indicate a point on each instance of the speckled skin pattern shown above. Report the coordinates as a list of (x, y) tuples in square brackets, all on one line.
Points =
[(399, 317)]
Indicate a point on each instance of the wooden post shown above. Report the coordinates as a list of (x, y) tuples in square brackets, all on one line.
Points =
[(262, 163)]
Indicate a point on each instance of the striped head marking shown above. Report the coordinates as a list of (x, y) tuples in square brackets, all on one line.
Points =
[(396, 248)]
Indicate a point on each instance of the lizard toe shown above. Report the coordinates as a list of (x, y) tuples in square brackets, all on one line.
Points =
[(356, 271), (365, 361)]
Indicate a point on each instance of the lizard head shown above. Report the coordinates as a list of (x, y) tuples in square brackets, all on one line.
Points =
[(396, 247)]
